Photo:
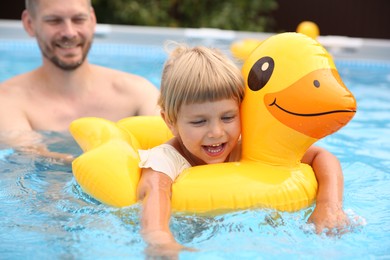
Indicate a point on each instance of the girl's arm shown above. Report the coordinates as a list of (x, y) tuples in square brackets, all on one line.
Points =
[(328, 213), (154, 189)]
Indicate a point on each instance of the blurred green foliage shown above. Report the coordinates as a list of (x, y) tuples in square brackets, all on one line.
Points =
[(244, 15)]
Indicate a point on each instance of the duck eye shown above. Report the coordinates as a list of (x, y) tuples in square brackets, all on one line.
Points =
[(316, 83), (260, 73)]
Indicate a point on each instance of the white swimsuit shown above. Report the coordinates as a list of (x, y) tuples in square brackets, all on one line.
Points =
[(164, 158)]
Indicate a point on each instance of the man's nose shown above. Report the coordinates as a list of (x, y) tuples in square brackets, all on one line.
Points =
[(68, 29)]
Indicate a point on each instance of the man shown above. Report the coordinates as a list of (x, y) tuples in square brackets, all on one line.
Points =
[(66, 86)]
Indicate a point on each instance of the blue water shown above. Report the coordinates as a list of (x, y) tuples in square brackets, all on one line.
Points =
[(44, 214)]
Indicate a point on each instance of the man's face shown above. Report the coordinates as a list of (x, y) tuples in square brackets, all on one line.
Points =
[(64, 31)]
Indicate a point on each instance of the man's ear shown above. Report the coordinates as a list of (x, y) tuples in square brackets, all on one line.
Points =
[(28, 23), (93, 17), (168, 122)]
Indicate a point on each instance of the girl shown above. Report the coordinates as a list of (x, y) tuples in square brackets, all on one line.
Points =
[(201, 92)]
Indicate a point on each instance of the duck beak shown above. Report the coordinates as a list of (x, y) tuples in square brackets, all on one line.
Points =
[(316, 105)]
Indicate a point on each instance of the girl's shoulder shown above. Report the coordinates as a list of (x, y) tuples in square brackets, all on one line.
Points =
[(164, 158)]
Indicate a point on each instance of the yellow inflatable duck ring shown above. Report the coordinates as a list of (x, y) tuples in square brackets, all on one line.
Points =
[(294, 96), (243, 48)]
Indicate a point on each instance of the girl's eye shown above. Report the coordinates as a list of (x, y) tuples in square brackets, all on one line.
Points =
[(228, 118), (198, 122)]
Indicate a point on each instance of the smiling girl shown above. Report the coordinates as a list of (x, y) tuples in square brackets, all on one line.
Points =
[(200, 97)]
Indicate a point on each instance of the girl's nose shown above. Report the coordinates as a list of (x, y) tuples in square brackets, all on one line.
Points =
[(216, 130)]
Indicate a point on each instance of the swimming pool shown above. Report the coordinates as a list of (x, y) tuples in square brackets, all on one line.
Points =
[(44, 214)]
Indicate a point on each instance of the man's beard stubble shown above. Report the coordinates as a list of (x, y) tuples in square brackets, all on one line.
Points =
[(63, 65)]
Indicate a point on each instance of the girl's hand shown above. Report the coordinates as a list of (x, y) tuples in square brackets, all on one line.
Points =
[(162, 244), (329, 217)]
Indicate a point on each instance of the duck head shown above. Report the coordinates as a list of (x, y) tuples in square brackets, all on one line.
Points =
[(294, 97)]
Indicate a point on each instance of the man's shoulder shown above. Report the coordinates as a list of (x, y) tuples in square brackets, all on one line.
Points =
[(17, 83), (11, 87), (115, 74), (123, 81)]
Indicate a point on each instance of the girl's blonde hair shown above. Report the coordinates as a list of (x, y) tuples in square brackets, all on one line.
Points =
[(195, 75)]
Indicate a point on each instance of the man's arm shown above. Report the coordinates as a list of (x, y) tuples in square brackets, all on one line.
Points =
[(12, 116), (16, 132)]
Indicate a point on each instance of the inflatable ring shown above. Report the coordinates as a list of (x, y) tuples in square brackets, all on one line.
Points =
[(294, 97), (243, 48)]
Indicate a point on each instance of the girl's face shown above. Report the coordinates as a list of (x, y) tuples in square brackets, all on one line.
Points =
[(208, 131)]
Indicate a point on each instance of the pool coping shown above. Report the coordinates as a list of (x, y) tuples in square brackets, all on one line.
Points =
[(341, 47)]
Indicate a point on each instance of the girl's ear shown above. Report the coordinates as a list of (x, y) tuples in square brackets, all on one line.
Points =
[(28, 23), (168, 122)]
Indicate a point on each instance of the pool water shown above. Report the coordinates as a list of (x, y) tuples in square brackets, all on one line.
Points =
[(44, 214)]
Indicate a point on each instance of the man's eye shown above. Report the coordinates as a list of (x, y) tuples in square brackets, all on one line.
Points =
[(53, 21), (79, 20)]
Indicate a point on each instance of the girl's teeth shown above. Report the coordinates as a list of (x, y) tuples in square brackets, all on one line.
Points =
[(214, 148)]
